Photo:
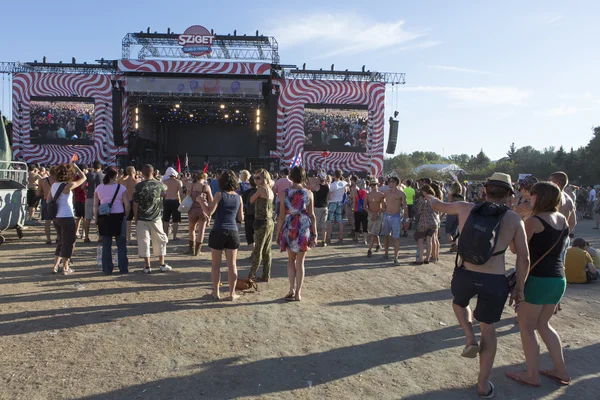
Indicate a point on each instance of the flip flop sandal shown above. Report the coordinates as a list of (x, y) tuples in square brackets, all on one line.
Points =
[(68, 271), (470, 351), (555, 378), (517, 378), (490, 394)]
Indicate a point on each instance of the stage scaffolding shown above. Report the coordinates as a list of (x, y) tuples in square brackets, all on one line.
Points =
[(225, 47)]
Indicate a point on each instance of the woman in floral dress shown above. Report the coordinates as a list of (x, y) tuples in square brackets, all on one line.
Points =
[(296, 229)]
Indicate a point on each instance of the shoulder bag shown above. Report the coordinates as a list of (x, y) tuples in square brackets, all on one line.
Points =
[(104, 209)]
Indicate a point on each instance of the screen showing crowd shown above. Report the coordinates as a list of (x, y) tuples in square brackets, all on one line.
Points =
[(64, 119), (335, 128)]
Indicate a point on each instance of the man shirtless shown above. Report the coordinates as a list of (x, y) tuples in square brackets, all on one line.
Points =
[(375, 208), (487, 281), (567, 207), (171, 203), (42, 192), (395, 205), (129, 181)]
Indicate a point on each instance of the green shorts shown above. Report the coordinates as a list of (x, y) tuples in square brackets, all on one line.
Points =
[(541, 291)]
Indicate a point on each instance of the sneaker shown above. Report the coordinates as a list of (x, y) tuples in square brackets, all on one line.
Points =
[(369, 253), (165, 268), (147, 270), (396, 262), (377, 248)]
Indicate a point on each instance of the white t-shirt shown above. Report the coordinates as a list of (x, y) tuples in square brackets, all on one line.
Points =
[(64, 202), (592, 196), (336, 189)]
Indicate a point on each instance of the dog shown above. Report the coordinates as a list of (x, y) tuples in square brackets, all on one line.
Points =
[(246, 284)]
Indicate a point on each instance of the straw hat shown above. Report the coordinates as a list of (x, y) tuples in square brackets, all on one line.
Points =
[(500, 179)]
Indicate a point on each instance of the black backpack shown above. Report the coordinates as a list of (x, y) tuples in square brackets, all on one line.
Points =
[(52, 205), (480, 234), (248, 207)]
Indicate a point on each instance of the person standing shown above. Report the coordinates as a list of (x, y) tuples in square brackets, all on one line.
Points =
[(79, 197), (43, 190), (426, 225), (296, 229), (567, 206), (547, 234), (147, 202), (249, 211), (337, 189), (280, 186), (525, 207), (94, 178), (349, 206), (488, 281), (201, 194), (395, 205), (320, 194), (171, 202), (64, 223), (32, 188), (361, 216), (227, 205), (262, 201), (410, 193), (114, 197), (375, 209), (214, 183), (129, 181)]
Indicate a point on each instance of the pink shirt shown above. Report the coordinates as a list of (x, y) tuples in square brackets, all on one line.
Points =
[(106, 193), (281, 185)]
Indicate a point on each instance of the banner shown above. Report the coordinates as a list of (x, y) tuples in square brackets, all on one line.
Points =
[(194, 86)]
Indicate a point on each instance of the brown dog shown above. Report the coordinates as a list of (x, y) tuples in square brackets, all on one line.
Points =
[(246, 284)]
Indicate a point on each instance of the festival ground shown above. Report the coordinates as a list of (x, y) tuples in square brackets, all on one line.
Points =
[(364, 330)]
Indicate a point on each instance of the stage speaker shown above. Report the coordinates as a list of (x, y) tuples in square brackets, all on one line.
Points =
[(117, 101), (267, 88), (393, 137)]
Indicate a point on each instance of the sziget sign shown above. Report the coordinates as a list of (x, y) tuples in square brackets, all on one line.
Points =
[(196, 41)]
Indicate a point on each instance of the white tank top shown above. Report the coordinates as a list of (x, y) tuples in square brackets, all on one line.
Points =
[(64, 202)]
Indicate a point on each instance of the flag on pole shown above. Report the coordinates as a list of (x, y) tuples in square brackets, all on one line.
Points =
[(297, 160), (205, 170), (187, 164), (178, 165)]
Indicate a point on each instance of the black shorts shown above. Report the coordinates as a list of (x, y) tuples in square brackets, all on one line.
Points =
[(170, 209), (32, 198), (79, 208), (361, 221), (491, 291), (411, 210), (424, 234), (224, 239), (130, 216)]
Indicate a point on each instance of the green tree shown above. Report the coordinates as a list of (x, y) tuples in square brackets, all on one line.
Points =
[(512, 152), (560, 157)]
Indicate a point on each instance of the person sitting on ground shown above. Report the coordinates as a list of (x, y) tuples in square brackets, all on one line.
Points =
[(594, 253), (579, 265)]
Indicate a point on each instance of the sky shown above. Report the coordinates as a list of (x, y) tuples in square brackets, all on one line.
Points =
[(479, 75)]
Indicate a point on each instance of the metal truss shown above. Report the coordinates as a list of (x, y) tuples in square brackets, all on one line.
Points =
[(168, 99), (106, 68), (225, 47), (394, 78)]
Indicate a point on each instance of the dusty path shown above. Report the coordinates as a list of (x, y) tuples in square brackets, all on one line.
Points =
[(364, 330)]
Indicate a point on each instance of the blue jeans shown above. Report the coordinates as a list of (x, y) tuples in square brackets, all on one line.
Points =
[(107, 263)]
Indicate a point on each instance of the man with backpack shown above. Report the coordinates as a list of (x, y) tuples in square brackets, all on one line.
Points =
[(487, 230)]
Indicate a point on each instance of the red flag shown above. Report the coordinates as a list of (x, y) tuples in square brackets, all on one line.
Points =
[(178, 165), (205, 170)]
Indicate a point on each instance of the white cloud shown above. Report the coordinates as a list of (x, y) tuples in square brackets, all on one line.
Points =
[(457, 69), (492, 95), (567, 110), (552, 19), (332, 34)]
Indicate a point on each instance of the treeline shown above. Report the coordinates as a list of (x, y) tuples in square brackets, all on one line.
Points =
[(582, 164)]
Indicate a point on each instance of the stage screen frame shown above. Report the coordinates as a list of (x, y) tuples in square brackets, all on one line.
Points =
[(315, 143), (88, 137)]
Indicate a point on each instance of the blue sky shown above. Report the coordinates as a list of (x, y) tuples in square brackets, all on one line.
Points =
[(479, 74)]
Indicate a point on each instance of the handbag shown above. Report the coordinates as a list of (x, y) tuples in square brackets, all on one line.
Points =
[(104, 209), (512, 277), (186, 204)]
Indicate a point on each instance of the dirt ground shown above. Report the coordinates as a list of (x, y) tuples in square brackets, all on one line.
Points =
[(364, 330)]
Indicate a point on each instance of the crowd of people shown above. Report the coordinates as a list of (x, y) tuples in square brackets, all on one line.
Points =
[(335, 130), (534, 219), (62, 120)]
